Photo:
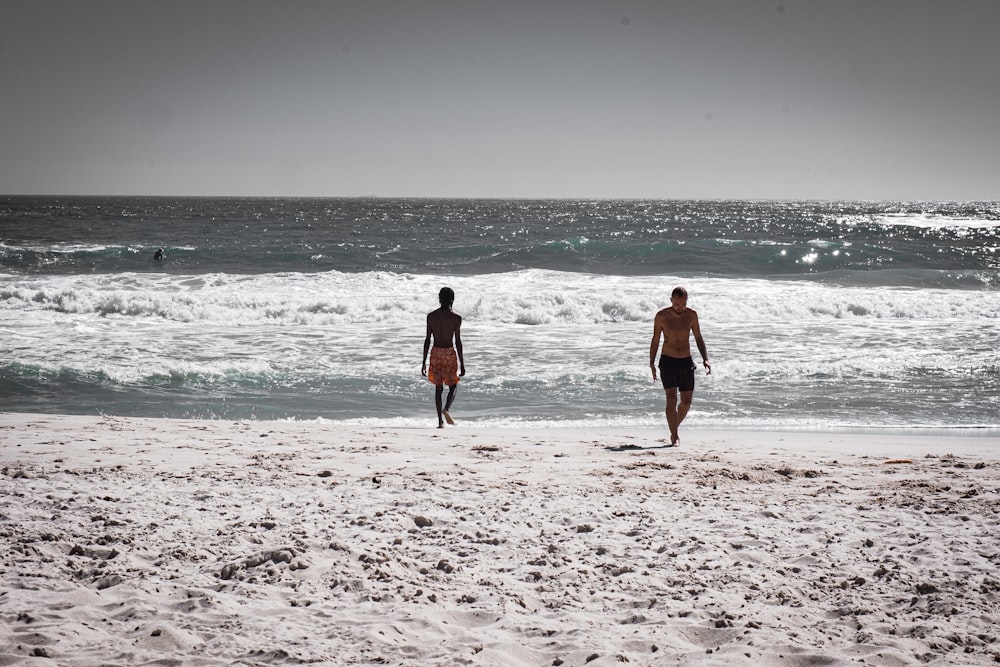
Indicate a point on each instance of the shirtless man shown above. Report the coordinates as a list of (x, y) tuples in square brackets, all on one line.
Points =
[(444, 325), (676, 324)]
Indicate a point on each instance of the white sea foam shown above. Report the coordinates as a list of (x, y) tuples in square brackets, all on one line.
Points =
[(541, 345), (934, 221), (532, 297)]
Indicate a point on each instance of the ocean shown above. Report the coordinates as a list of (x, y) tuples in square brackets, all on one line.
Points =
[(816, 315)]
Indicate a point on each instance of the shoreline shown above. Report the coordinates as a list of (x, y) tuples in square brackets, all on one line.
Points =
[(640, 425), (134, 540)]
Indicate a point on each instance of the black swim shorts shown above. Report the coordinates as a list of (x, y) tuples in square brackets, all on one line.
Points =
[(677, 373)]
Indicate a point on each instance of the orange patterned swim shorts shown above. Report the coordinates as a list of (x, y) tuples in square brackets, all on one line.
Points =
[(444, 366)]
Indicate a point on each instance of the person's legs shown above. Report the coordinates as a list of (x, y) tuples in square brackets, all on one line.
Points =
[(438, 392), (683, 381), (447, 405), (443, 369), (671, 410), (668, 376), (685, 385), (684, 406)]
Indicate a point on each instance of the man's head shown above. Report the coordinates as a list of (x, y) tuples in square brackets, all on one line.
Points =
[(446, 296), (679, 297)]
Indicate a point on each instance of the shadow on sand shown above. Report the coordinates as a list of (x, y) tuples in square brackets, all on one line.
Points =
[(637, 448)]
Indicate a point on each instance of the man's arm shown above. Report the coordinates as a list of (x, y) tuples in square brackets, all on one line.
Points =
[(696, 330), (458, 347), (655, 344), (427, 346)]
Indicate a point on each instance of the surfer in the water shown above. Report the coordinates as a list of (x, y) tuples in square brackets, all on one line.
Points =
[(676, 324), (444, 325), (158, 255)]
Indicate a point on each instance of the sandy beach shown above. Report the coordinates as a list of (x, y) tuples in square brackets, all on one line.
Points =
[(171, 542)]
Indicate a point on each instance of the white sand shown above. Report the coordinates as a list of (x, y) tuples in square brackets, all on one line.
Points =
[(161, 542)]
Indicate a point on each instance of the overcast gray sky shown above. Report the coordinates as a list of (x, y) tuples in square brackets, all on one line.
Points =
[(869, 99)]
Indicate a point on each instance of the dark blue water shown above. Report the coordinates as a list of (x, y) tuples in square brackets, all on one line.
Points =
[(111, 235)]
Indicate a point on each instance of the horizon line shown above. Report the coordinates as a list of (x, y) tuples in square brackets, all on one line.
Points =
[(505, 198)]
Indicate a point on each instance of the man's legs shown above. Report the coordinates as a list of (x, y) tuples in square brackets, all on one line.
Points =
[(676, 413), (671, 411), (448, 402), (683, 408), (438, 391)]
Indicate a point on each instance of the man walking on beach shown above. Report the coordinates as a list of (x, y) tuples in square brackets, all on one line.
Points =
[(676, 324), (444, 325)]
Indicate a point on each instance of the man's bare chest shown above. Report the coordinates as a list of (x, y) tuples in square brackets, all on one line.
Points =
[(674, 323)]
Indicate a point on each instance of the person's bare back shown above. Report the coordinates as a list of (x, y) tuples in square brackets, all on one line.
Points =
[(443, 325)]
